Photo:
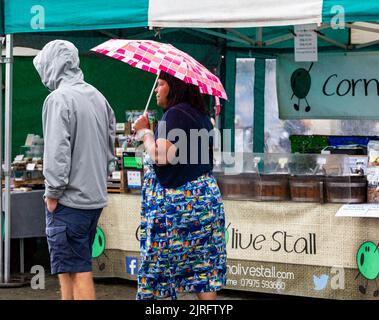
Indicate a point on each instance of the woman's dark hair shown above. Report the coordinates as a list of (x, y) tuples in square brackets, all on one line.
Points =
[(183, 92)]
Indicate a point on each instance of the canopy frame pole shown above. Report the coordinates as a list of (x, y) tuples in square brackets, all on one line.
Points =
[(283, 38), (151, 92), (242, 36), (148, 34), (368, 44), (259, 36), (1, 169), (363, 28), (221, 35), (278, 39), (333, 42), (199, 35), (8, 152), (111, 35)]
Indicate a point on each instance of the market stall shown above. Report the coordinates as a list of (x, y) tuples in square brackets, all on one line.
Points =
[(231, 33)]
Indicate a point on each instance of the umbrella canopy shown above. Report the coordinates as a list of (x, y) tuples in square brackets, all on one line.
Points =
[(153, 56)]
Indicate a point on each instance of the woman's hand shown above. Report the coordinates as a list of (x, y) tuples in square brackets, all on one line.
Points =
[(142, 122)]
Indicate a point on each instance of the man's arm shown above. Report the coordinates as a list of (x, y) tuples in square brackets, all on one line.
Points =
[(57, 148)]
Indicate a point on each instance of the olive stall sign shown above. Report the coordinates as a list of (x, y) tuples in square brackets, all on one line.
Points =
[(368, 265), (301, 84), (338, 86), (98, 245)]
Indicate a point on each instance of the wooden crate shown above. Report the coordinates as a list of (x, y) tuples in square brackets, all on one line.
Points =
[(116, 186), (27, 183)]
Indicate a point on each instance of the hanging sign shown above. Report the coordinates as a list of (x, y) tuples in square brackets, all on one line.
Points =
[(305, 42), (338, 86)]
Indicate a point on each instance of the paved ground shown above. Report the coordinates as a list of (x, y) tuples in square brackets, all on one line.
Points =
[(112, 289)]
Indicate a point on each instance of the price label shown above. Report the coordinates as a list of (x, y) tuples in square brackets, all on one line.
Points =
[(30, 166), (134, 179), (321, 161), (19, 157), (116, 175)]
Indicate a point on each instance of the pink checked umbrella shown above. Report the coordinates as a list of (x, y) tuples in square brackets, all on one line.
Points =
[(153, 56)]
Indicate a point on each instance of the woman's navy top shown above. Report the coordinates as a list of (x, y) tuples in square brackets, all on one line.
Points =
[(194, 143)]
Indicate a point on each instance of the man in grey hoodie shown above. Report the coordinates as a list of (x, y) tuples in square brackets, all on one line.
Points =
[(79, 132)]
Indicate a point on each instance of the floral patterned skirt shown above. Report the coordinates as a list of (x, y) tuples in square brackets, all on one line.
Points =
[(182, 238)]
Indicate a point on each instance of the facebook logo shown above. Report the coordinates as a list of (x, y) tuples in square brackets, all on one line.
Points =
[(131, 265)]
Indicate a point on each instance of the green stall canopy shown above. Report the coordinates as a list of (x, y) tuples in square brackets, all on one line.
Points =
[(51, 15)]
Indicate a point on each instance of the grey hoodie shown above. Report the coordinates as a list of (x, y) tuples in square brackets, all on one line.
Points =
[(78, 128)]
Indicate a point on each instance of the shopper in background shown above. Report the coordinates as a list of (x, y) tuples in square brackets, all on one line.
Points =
[(79, 132), (182, 227)]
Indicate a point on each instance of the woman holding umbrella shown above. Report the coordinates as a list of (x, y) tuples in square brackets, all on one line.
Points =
[(183, 226)]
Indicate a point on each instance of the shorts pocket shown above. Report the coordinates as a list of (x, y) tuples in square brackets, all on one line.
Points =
[(57, 235)]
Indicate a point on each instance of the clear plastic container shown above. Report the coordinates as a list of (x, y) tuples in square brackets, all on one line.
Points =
[(373, 153)]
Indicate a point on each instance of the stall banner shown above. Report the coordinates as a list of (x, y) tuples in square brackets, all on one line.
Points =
[(273, 247), (232, 13), (334, 282), (298, 233), (284, 232), (338, 86)]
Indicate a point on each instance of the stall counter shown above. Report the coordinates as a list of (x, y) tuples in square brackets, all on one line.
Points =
[(288, 248)]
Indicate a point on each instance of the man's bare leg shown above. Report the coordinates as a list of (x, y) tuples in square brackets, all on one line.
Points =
[(207, 295), (84, 288), (66, 282)]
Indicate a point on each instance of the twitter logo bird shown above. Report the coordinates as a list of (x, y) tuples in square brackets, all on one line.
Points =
[(320, 282)]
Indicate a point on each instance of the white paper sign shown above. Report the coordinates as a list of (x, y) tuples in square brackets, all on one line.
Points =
[(305, 42), (19, 157), (355, 165), (30, 166), (120, 126), (116, 175), (134, 179), (119, 152), (365, 210)]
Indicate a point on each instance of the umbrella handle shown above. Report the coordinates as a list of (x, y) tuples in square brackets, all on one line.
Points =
[(152, 90)]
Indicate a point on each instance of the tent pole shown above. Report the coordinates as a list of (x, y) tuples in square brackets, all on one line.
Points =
[(221, 35), (1, 168), (363, 45), (333, 42), (259, 36), (8, 152), (286, 37), (242, 36), (363, 28)]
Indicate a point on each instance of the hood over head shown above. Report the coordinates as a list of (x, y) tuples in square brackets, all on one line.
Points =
[(58, 63)]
